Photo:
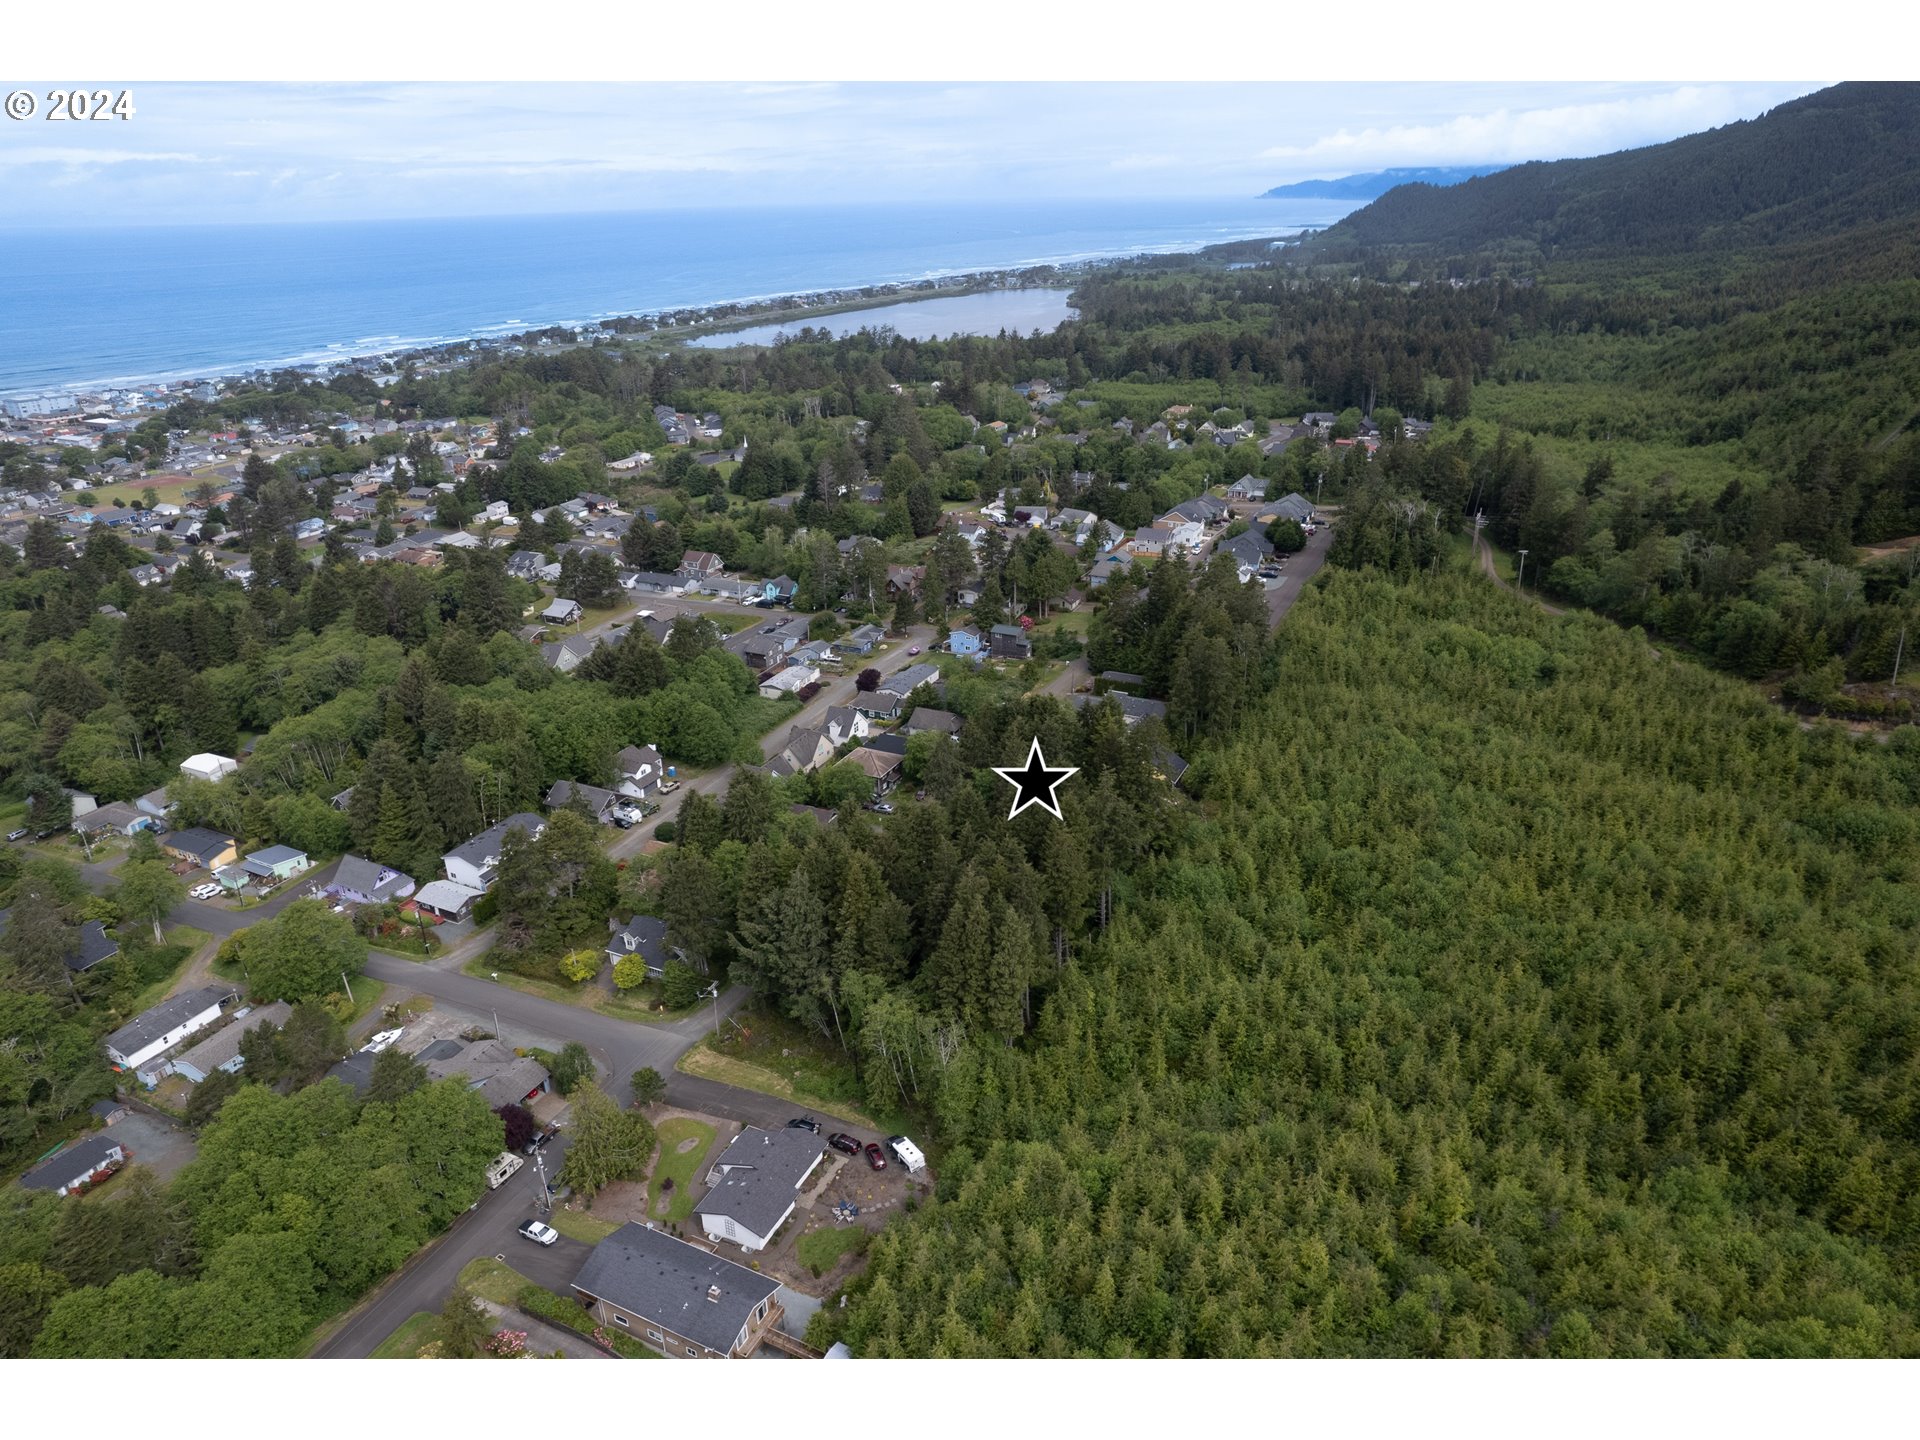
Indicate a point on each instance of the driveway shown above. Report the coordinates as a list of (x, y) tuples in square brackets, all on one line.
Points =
[(157, 1143), (840, 691), (218, 919)]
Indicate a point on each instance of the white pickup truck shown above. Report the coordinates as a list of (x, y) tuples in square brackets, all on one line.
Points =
[(502, 1169)]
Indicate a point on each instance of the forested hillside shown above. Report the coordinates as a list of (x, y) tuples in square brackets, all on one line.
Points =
[(1528, 994), (1827, 162)]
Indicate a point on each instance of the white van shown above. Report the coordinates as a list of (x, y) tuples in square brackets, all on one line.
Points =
[(502, 1168), (907, 1153)]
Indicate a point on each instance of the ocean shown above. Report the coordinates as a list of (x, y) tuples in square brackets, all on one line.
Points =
[(99, 308)]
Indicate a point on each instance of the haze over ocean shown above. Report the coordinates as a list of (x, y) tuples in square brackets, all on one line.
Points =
[(116, 306)]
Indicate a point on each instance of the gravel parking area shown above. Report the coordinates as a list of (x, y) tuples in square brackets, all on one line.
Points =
[(160, 1145)]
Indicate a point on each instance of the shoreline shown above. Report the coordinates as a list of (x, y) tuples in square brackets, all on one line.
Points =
[(671, 325)]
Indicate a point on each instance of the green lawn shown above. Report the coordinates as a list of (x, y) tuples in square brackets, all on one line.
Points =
[(404, 1343), (156, 992), (588, 996), (780, 1058), (820, 1250), (575, 1226), (493, 1280), (676, 1166)]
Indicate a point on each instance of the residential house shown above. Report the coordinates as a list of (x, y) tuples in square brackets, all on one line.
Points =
[(82, 1164), (221, 1050), (275, 863), (151, 1033), (1249, 550), (1009, 642), (965, 640), (600, 803), (120, 817), (1132, 709), (641, 771), (527, 565), (754, 1184), (780, 590), (818, 814), (1202, 510), (475, 863), (447, 899), (885, 702), (208, 767), (489, 1066), (561, 612), (1118, 680), (654, 582), (1248, 487), (807, 749), (701, 564), (208, 849), (880, 766), (1108, 566), (790, 680), (360, 881), (645, 936), (1294, 507), (844, 723), (677, 1298), (862, 640), (941, 722), (1151, 540), (566, 654), (905, 579)]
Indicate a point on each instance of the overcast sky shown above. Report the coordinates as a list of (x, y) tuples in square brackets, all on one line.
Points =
[(245, 152)]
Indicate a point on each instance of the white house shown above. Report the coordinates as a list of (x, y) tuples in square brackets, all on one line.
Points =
[(789, 681), (640, 771), (153, 1032), (496, 510), (208, 767), (475, 863), (85, 1160), (754, 1184)]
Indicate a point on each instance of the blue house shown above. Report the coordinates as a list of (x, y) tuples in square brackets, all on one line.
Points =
[(778, 591), (964, 641)]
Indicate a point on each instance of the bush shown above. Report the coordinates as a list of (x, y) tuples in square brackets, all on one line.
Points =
[(665, 831)]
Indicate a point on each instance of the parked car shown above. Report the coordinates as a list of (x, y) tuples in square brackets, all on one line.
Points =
[(542, 1138), (876, 1157), (913, 649), (844, 1142), (538, 1233), (881, 807), (17, 834), (622, 821), (667, 787), (804, 1122)]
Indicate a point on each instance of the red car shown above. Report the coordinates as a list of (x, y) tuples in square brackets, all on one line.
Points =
[(876, 1157), (844, 1143)]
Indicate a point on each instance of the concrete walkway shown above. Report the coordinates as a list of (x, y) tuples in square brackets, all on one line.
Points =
[(543, 1339)]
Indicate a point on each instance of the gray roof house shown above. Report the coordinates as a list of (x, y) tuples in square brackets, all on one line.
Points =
[(79, 1162), (678, 1298), (473, 862), (489, 1066), (221, 1050), (167, 1024), (755, 1183), (1294, 507), (366, 882), (599, 802), (944, 722), (645, 936)]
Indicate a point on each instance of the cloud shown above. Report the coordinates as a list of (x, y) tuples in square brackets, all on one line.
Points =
[(1542, 133), (82, 155)]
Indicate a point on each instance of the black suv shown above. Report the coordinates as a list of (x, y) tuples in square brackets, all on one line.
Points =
[(804, 1122)]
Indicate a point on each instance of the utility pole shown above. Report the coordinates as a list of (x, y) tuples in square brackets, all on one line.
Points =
[(1898, 651), (343, 981), (1517, 574), (546, 1190), (713, 991)]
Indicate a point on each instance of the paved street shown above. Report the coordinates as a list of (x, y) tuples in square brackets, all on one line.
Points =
[(838, 691)]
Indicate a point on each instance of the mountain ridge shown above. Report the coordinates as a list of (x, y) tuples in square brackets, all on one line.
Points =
[(1822, 164), (1372, 184)]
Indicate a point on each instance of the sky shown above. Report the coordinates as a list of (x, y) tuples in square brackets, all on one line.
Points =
[(238, 152)]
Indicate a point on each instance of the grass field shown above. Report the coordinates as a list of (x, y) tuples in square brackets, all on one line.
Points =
[(156, 992), (725, 1068), (575, 1226), (404, 1343), (493, 1280), (820, 1250), (587, 997), (171, 489), (677, 1166)]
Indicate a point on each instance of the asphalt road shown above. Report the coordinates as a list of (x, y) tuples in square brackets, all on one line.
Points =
[(1300, 569), (839, 691)]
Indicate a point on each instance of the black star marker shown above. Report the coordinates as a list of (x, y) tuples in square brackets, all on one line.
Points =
[(1035, 782)]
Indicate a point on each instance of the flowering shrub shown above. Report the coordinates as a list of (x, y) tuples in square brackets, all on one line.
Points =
[(507, 1344)]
